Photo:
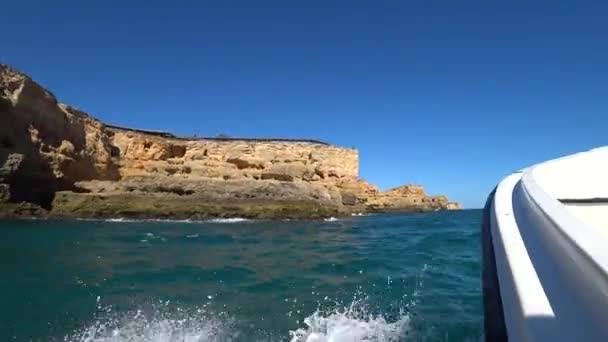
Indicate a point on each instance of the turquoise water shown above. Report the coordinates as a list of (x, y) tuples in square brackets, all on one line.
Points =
[(408, 277)]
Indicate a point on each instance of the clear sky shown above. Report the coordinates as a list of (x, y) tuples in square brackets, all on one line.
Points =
[(453, 95)]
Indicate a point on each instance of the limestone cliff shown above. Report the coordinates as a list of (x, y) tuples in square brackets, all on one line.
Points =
[(56, 160)]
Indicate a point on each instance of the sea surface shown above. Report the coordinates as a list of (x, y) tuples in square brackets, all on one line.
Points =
[(393, 277)]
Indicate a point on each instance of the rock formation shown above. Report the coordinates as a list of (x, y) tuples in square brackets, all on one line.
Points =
[(58, 161), (409, 197)]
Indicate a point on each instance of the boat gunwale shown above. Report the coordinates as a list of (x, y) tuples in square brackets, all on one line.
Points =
[(576, 248)]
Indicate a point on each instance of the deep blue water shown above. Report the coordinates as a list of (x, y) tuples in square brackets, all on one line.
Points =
[(407, 277)]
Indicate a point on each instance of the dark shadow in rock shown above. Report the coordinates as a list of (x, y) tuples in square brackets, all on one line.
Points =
[(36, 121)]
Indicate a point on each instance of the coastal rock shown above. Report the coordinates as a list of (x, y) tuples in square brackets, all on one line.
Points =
[(453, 206), (4, 193), (409, 198), (409, 190), (60, 159)]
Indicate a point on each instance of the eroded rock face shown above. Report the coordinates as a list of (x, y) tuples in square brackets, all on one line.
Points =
[(59, 158), (46, 146), (145, 155)]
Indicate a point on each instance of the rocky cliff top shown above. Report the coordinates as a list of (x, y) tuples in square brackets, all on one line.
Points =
[(169, 135)]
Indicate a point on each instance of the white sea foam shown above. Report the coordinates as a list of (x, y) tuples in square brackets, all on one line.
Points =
[(351, 324), (125, 220), (171, 220), (114, 219), (119, 219), (229, 220), (151, 237), (346, 326), (158, 331), (330, 219), (137, 327)]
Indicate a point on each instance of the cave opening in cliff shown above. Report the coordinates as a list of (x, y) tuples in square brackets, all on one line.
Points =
[(114, 151)]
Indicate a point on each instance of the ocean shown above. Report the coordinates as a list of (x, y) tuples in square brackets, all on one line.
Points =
[(385, 277)]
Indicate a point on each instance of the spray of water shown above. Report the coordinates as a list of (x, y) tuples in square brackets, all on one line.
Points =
[(333, 321), (161, 325), (346, 326), (350, 324)]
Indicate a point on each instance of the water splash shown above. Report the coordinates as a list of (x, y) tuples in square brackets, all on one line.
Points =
[(182, 326), (354, 322), (343, 326), (164, 322)]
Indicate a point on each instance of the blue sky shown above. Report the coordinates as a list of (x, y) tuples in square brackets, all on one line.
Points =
[(453, 95)]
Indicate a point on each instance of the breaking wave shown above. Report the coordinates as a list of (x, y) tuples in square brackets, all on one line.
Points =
[(128, 220), (229, 220), (361, 214), (119, 219)]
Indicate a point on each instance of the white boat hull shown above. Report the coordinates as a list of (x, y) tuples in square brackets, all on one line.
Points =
[(545, 272)]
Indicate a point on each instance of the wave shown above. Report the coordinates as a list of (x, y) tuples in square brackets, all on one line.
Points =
[(127, 220), (118, 219), (330, 219), (362, 214), (229, 220), (114, 219)]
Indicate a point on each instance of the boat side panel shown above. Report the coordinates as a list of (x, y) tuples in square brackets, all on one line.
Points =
[(494, 321), (527, 310)]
